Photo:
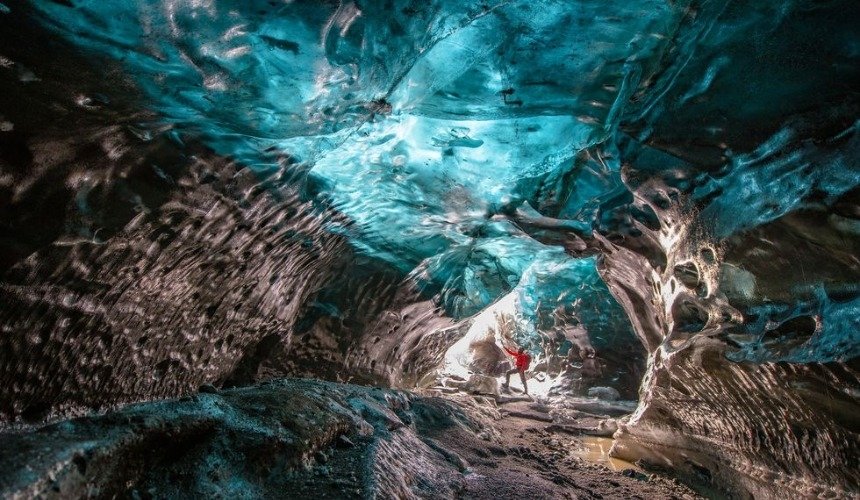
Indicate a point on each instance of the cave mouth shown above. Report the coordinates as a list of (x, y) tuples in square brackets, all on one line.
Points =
[(563, 360)]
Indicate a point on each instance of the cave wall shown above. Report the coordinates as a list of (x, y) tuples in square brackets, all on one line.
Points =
[(750, 300)]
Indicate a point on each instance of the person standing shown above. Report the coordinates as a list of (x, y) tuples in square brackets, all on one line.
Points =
[(522, 360)]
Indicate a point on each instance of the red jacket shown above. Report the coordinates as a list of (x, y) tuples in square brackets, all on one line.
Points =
[(523, 359)]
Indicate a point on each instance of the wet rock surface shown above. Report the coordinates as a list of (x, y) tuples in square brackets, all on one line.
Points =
[(286, 438)]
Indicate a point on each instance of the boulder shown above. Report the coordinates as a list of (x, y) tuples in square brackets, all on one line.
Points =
[(604, 393), (482, 384)]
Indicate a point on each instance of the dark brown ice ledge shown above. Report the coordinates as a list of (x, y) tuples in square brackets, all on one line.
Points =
[(265, 441)]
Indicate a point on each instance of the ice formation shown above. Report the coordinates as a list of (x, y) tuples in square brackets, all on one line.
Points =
[(216, 191)]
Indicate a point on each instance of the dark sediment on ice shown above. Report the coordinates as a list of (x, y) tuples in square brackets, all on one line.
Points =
[(310, 439)]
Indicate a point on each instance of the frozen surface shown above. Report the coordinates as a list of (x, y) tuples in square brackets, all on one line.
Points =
[(216, 192)]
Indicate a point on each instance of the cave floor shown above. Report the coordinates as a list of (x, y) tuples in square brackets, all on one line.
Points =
[(538, 460), (301, 438)]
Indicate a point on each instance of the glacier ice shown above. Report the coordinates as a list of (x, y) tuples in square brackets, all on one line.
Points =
[(214, 191)]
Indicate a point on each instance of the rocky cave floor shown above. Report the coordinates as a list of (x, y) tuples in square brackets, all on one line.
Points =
[(538, 459), (298, 438)]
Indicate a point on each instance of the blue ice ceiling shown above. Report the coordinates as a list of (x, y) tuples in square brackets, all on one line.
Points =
[(418, 124), (428, 125)]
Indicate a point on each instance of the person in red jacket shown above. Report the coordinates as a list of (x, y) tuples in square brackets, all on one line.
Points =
[(522, 360)]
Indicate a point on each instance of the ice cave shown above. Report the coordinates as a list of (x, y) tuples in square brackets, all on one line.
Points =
[(399, 249)]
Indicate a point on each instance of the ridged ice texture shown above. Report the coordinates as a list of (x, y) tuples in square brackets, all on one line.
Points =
[(337, 188)]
